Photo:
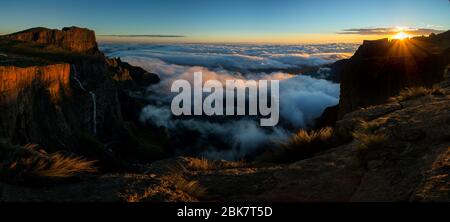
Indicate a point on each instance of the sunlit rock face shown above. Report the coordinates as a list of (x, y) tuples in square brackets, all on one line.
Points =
[(31, 100), (59, 91), (380, 69), (53, 78), (73, 38)]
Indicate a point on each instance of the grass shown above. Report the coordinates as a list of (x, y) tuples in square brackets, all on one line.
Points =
[(369, 126), (191, 187), (416, 92), (367, 143), (58, 165), (28, 164), (200, 164), (304, 144), (175, 184)]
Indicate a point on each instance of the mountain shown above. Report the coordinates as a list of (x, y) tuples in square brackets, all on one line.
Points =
[(59, 91), (381, 68), (73, 38)]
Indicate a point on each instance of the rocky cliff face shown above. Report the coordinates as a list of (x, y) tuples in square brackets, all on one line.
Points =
[(59, 91), (52, 105), (73, 38), (380, 69), (31, 102)]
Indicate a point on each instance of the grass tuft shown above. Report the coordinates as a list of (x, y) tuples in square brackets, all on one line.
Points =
[(416, 92), (304, 144), (367, 143), (191, 187), (201, 164), (28, 164)]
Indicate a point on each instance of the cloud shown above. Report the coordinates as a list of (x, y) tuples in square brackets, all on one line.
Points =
[(302, 98), (238, 58), (146, 36), (390, 31)]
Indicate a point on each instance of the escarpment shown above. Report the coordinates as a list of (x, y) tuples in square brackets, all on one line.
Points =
[(31, 103), (59, 91), (72, 38)]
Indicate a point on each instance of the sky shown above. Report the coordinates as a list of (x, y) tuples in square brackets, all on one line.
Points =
[(249, 21)]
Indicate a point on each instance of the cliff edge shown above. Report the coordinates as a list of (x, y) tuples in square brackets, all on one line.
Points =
[(382, 68), (72, 38)]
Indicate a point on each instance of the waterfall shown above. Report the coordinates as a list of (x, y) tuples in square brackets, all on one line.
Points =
[(93, 97), (94, 112)]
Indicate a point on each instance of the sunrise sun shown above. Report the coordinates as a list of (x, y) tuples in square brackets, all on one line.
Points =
[(401, 35)]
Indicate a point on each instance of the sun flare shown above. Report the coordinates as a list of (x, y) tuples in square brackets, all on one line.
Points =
[(401, 35)]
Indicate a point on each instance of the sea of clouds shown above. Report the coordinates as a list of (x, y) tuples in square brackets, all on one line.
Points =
[(302, 98)]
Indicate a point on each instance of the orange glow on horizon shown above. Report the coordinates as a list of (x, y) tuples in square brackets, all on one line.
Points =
[(401, 35), (252, 39)]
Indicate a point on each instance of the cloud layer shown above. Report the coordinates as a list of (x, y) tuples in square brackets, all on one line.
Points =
[(390, 31), (302, 98), (239, 58)]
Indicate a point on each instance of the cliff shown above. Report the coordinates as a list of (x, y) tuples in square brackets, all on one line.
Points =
[(73, 38), (31, 100), (59, 91), (380, 69)]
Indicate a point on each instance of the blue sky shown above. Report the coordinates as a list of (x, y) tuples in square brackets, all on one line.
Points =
[(225, 20)]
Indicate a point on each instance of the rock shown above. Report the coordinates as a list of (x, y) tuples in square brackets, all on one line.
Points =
[(58, 91), (73, 38), (32, 103), (126, 72), (329, 117), (380, 69)]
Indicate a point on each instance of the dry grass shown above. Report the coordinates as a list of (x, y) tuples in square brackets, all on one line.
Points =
[(416, 92), (191, 187), (171, 188), (369, 126), (26, 163), (135, 197), (56, 165), (304, 144), (368, 143), (303, 137), (201, 164), (204, 164)]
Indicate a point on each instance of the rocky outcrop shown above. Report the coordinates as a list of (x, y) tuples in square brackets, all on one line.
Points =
[(133, 75), (73, 38), (59, 91), (329, 117), (380, 69)]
